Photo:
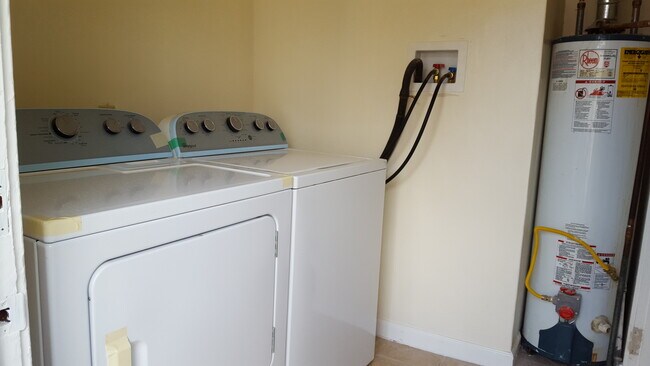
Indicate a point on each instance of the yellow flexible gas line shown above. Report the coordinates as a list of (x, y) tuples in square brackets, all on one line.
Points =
[(610, 270)]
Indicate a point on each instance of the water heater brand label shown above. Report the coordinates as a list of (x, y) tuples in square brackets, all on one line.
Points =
[(597, 64), (633, 73), (595, 88)]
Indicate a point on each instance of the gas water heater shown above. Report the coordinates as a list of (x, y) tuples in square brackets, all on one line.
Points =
[(594, 119)]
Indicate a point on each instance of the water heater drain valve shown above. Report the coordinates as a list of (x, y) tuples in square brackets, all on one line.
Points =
[(601, 324), (567, 304)]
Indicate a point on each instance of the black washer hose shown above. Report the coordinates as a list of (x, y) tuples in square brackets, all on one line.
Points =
[(414, 70), (424, 125), (417, 96)]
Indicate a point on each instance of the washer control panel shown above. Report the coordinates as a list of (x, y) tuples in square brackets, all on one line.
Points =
[(67, 138), (216, 132)]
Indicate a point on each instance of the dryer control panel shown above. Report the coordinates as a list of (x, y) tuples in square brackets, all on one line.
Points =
[(66, 138), (215, 133)]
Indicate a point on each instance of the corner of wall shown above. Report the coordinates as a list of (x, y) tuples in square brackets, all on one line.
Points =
[(554, 21)]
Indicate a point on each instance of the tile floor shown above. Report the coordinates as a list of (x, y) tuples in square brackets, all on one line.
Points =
[(389, 353)]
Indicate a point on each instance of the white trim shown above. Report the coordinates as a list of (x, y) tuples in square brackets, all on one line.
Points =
[(15, 347), (637, 351), (443, 346)]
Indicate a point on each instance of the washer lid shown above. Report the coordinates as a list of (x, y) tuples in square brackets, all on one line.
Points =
[(64, 204), (306, 167)]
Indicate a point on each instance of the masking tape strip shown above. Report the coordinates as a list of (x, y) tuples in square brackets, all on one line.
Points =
[(118, 348), (287, 182), (159, 140), (51, 226)]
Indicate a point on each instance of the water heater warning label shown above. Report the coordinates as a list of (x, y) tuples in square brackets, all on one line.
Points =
[(594, 105), (633, 73), (576, 268), (564, 64)]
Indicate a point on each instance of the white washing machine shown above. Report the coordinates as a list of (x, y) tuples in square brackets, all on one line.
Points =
[(337, 204), (158, 262)]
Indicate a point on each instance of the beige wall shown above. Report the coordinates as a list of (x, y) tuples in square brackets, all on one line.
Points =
[(624, 15), (455, 220), (156, 57), (329, 71)]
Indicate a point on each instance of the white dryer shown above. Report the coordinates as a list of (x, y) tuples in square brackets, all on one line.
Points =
[(335, 236), (157, 262)]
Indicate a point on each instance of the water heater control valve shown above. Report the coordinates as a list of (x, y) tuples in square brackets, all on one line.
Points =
[(567, 304)]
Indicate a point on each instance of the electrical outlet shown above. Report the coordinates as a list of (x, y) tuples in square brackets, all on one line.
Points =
[(14, 317), (447, 55)]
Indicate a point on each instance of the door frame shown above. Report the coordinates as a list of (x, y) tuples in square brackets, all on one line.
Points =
[(637, 349), (15, 347)]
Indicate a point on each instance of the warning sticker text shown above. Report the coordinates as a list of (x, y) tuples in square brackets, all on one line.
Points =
[(575, 267), (564, 64), (633, 73), (594, 106)]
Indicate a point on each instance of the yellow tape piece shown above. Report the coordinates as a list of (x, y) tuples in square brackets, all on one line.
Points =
[(50, 226), (159, 139), (287, 182), (118, 348)]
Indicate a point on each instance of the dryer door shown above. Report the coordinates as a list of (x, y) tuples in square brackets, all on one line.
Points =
[(205, 300)]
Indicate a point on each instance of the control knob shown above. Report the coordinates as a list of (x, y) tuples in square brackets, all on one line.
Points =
[(136, 126), (191, 126), (208, 125), (234, 124), (65, 126), (271, 125), (112, 126), (259, 125)]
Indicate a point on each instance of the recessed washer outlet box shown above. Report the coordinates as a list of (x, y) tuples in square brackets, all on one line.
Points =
[(450, 54)]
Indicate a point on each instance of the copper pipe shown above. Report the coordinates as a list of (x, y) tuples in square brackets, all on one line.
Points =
[(636, 11), (612, 28), (580, 17)]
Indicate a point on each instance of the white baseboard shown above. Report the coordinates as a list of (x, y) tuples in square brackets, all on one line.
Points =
[(444, 346)]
